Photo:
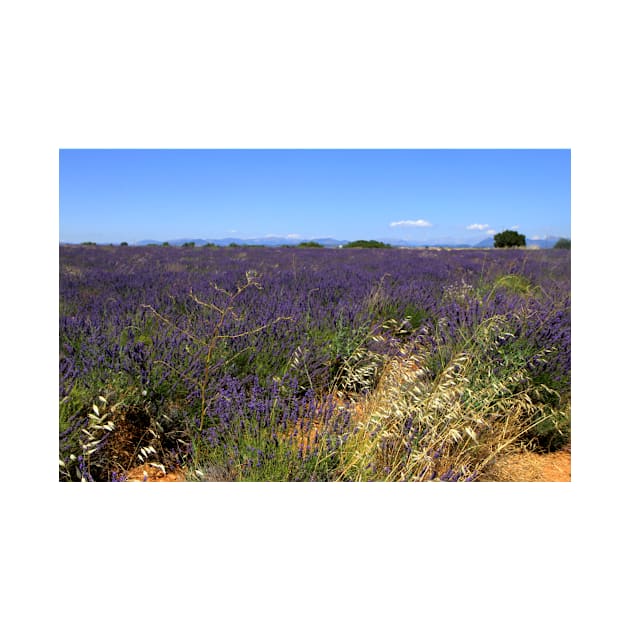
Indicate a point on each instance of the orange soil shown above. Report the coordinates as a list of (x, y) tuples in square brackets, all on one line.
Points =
[(515, 467), (150, 473)]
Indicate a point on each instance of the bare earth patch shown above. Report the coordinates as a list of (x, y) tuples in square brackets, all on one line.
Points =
[(150, 473), (524, 466)]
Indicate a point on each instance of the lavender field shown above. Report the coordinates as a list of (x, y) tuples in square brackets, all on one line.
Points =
[(298, 364)]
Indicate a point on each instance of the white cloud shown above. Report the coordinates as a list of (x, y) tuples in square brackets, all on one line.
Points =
[(491, 232), (293, 236), (477, 226), (410, 223)]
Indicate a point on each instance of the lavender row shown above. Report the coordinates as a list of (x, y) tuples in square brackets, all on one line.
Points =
[(109, 299), (164, 321)]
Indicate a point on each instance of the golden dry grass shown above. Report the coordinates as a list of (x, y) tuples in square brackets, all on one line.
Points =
[(528, 466)]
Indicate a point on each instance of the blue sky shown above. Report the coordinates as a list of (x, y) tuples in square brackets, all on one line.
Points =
[(457, 196)]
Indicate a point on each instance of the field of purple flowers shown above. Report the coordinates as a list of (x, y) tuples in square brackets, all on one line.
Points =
[(297, 364)]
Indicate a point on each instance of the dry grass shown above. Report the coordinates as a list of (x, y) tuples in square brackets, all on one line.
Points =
[(528, 466), (421, 423)]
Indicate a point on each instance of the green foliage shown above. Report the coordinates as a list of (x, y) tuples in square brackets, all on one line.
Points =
[(166, 244), (310, 244), (78, 400), (124, 244), (363, 243), (415, 316), (513, 283), (510, 283), (189, 244), (563, 243), (509, 238), (552, 433), (409, 317)]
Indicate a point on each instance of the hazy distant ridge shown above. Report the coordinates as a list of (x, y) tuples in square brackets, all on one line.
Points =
[(273, 241), (269, 241), (278, 241)]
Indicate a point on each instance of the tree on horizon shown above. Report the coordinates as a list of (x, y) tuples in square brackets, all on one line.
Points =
[(509, 238)]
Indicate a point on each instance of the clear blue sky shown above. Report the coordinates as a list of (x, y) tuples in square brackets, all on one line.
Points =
[(417, 195)]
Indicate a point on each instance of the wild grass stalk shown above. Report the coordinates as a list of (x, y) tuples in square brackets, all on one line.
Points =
[(422, 424)]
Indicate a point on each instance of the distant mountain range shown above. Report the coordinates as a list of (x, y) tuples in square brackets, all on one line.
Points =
[(279, 241), (269, 241)]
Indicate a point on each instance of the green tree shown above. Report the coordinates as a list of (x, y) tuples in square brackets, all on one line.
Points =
[(509, 238), (310, 244), (124, 244), (563, 243)]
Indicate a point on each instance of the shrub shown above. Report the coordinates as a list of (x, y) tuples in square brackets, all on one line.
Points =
[(563, 243), (363, 243)]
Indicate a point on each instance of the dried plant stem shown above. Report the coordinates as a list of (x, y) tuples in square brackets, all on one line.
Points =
[(211, 345)]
